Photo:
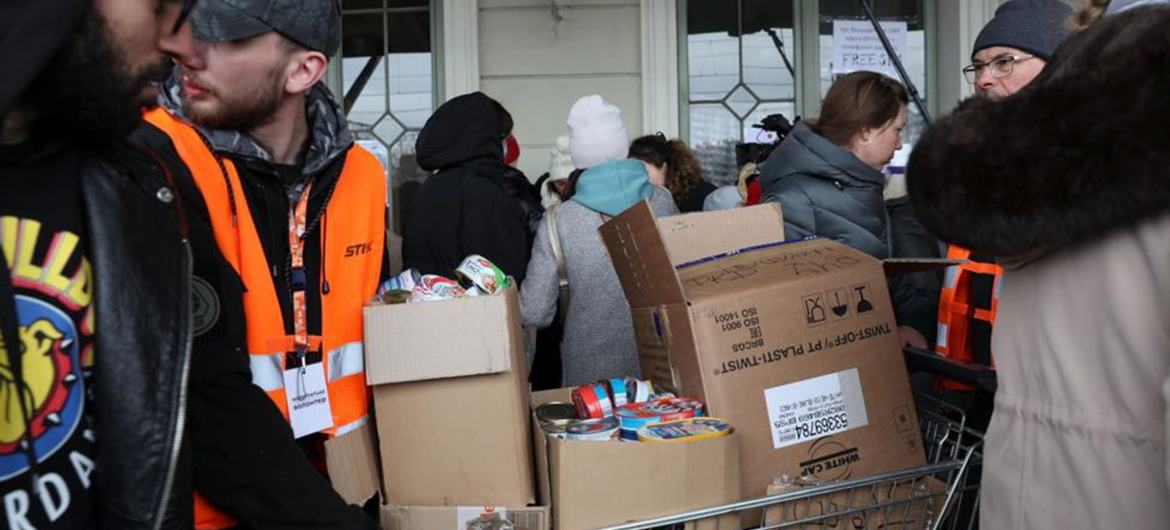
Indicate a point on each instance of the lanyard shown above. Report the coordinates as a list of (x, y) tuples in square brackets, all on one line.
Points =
[(296, 246)]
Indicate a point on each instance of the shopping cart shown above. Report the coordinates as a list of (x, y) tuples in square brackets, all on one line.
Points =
[(942, 494)]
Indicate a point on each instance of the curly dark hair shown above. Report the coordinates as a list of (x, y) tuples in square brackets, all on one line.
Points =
[(682, 168)]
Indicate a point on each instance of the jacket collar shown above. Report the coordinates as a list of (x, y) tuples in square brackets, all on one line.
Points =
[(806, 152)]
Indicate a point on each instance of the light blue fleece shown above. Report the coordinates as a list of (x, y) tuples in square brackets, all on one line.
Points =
[(613, 187)]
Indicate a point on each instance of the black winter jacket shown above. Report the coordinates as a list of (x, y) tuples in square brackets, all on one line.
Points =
[(518, 186), (142, 292), (462, 208)]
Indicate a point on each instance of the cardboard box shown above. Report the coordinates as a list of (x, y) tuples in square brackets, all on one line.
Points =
[(450, 392), (353, 470), (599, 484), (461, 517), (906, 504), (794, 343)]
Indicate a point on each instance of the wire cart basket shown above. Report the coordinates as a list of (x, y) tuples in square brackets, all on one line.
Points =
[(942, 494)]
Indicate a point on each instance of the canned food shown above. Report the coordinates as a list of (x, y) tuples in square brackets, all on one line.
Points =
[(592, 402), (404, 281), (395, 296), (556, 413), (637, 415), (477, 271), (688, 430), (556, 430), (598, 430), (435, 287), (655, 396)]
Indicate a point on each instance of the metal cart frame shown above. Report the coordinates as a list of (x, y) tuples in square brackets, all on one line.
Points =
[(942, 494)]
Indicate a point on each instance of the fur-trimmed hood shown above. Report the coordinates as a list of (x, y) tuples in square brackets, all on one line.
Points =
[(1081, 151)]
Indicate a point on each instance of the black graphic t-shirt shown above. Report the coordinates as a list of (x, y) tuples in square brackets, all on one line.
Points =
[(42, 236)]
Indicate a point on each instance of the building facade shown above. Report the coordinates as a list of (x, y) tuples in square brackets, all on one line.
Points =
[(701, 70)]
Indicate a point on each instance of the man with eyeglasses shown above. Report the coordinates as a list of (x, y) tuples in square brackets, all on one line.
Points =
[(1015, 46), (1011, 50)]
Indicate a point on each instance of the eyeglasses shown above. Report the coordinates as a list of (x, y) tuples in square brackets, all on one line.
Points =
[(1001, 66), (184, 12)]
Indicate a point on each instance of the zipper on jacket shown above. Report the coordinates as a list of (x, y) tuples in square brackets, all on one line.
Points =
[(181, 414)]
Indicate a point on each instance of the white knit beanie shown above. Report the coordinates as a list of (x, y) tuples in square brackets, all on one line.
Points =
[(596, 132), (560, 167)]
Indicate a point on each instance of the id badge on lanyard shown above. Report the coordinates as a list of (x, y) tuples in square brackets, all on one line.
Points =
[(305, 389)]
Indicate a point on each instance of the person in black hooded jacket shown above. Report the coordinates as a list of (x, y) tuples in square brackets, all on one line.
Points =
[(462, 208)]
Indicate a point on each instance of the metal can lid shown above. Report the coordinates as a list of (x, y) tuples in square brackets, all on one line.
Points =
[(556, 428), (557, 412), (596, 426)]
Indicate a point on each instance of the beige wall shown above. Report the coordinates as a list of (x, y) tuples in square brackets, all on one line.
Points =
[(537, 67)]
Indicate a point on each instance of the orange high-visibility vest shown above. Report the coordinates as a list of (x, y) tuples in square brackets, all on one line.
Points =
[(354, 229), (956, 309)]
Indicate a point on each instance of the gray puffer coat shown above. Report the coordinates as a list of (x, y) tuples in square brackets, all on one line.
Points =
[(826, 191)]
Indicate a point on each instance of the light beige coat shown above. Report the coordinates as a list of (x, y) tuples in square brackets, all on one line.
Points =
[(1082, 350)]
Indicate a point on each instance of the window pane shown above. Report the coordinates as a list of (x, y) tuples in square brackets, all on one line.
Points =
[(906, 14), (363, 69), (388, 78), (714, 133), (764, 69), (712, 49), (737, 75)]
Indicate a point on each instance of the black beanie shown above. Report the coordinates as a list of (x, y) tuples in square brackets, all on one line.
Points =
[(1033, 26)]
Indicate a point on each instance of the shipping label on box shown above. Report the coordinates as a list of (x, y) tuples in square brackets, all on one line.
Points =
[(816, 407)]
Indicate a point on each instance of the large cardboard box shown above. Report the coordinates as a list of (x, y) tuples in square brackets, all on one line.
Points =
[(597, 484), (450, 389), (794, 343)]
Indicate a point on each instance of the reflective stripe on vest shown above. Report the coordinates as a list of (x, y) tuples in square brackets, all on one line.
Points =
[(956, 310), (352, 239)]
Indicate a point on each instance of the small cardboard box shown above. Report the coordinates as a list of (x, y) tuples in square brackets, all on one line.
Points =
[(794, 343), (450, 392), (353, 470), (598, 484), (462, 517)]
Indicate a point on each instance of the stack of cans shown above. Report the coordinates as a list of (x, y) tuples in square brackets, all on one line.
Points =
[(616, 409), (476, 276)]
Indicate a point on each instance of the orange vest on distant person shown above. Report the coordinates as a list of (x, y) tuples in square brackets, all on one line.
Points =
[(956, 309), (354, 227)]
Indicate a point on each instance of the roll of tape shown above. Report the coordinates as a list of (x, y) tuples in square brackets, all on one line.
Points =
[(588, 407), (618, 391), (639, 390)]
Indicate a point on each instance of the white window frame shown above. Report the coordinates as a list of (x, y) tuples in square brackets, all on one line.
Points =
[(951, 28)]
